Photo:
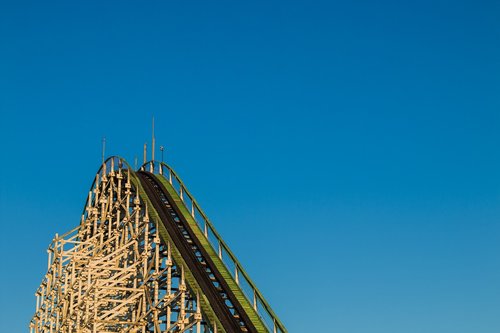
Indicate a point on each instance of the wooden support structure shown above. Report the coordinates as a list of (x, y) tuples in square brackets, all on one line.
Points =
[(113, 273)]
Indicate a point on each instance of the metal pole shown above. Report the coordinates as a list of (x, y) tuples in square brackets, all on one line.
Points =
[(153, 142), (103, 148)]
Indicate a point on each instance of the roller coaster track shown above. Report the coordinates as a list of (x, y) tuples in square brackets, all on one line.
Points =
[(145, 258)]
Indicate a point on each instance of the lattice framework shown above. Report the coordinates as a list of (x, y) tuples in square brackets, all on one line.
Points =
[(112, 273)]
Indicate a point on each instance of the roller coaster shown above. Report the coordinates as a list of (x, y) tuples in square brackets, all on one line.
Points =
[(145, 258)]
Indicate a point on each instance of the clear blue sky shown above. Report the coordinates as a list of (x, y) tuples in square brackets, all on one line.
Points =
[(348, 152)]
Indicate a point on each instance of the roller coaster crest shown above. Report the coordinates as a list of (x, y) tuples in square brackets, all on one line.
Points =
[(145, 258)]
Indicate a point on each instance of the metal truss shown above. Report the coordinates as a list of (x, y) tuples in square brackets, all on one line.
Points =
[(113, 273)]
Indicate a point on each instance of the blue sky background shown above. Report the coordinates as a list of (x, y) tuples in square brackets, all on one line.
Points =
[(348, 152)]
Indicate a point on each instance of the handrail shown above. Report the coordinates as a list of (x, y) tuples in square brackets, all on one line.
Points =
[(257, 296)]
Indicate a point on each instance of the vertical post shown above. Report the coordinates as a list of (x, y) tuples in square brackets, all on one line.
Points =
[(146, 244), (182, 312), (198, 313), (145, 151), (169, 283), (157, 249), (49, 252), (94, 326)]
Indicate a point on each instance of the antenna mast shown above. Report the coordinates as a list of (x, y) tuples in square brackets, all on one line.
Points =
[(103, 148), (153, 142)]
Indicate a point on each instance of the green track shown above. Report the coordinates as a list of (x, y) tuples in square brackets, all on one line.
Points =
[(254, 317), (206, 307)]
